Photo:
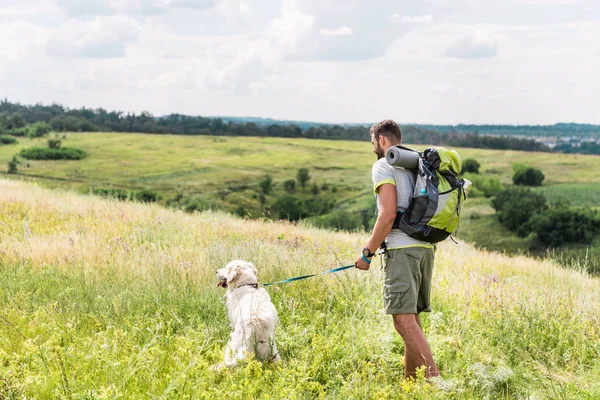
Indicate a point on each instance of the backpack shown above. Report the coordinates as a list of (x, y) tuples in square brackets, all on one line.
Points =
[(438, 196)]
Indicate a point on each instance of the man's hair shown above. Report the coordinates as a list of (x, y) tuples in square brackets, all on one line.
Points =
[(389, 129)]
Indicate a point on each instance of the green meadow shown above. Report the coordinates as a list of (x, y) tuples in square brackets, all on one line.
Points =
[(223, 172), (103, 299)]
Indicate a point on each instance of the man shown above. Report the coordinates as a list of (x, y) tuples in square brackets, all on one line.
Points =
[(408, 262)]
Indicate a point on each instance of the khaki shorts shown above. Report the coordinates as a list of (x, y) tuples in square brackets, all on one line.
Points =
[(407, 286)]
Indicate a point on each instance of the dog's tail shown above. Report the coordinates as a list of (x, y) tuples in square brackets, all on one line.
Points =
[(258, 323)]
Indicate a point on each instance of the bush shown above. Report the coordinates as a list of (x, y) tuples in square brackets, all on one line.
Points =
[(287, 207), (338, 220), (527, 176), (144, 196), (39, 129), (5, 139), (515, 206), (315, 189), (303, 177), (12, 165), (18, 132), (470, 165), (54, 143), (266, 184), (489, 186), (44, 153), (290, 185), (563, 225)]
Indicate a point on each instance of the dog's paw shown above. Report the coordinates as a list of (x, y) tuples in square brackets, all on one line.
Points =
[(222, 366)]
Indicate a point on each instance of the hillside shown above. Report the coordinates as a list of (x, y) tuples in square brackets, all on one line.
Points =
[(224, 173), (111, 299)]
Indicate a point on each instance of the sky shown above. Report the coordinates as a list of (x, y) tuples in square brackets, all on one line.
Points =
[(415, 61)]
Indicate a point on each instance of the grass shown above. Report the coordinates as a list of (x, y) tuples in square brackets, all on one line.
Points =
[(577, 194), (119, 300)]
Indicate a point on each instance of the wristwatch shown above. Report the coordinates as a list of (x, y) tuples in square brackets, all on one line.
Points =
[(367, 253)]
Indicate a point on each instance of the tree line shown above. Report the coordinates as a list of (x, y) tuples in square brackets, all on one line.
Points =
[(14, 117)]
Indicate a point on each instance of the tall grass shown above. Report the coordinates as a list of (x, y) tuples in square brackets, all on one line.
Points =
[(119, 300)]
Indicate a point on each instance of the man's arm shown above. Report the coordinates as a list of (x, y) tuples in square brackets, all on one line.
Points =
[(385, 220)]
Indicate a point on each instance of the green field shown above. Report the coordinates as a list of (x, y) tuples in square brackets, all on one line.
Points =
[(103, 299), (224, 172)]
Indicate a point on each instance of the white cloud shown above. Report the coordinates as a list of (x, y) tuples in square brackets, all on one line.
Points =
[(289, 29), (143, 7), (104, 37), (341, 31), (418, 19), (342, 60), (476, 44)]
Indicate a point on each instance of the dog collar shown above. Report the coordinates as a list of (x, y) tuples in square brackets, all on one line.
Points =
[(254, 285)]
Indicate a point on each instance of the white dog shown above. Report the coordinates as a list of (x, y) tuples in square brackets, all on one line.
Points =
[(251, 313)]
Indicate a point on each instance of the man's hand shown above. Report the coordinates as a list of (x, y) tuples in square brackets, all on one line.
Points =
[(362, 264)]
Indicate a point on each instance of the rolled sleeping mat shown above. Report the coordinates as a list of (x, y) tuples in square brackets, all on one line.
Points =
[(399, 156)]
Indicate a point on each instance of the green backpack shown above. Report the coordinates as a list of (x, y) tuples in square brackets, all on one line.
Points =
[(438, 197)]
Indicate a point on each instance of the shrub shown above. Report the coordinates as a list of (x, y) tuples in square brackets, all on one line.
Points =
[(303, 177), (114, 193), (144, 196), (290, 185), (266, 184), (315, 189), (12, 165), (470, 165), (515, 206), (5, 139), (287, 207), (39, 129), (563, 225), (54, 143), (19, 131), (44, 153), (489, 186), (338, 220), (527, 176)]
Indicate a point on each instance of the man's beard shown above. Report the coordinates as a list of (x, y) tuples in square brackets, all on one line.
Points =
[(379, 153)]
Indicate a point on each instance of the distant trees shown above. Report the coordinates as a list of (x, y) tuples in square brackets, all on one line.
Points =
[(527, 176), (14, 117)]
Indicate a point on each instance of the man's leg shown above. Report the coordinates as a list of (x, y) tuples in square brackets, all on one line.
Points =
[(416, 349)]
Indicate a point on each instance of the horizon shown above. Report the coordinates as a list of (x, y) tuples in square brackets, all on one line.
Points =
[(440, 62)]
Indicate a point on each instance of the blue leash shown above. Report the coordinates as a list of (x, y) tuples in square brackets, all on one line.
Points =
[(308, 276)]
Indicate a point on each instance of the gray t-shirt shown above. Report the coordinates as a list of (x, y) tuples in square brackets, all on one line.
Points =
[(404, 181)]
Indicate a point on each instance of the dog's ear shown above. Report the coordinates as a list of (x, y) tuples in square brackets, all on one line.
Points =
[(234, 273)]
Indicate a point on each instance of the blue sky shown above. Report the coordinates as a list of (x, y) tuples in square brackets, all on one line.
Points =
[(429, 61)]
